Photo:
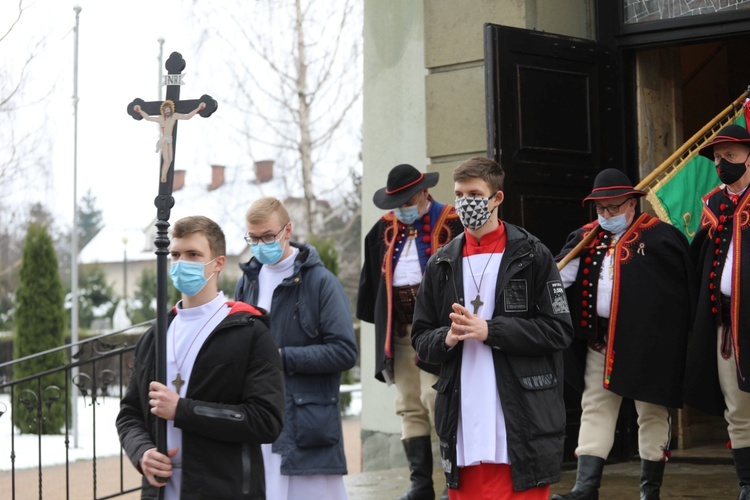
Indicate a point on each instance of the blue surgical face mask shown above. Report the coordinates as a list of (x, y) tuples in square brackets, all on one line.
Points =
[(615, 224), (267, 253), (407, 215), (188, 277)]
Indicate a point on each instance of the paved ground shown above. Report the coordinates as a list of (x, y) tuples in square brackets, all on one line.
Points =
[(714, 478), (620, 481)]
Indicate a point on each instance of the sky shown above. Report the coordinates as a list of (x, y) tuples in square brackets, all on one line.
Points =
[(118, 60)]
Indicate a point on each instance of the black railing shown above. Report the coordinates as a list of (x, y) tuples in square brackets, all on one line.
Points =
[(98, 369)]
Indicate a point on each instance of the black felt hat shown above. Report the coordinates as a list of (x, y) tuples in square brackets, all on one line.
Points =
[(612, 183), (404, 181), (730, 133)]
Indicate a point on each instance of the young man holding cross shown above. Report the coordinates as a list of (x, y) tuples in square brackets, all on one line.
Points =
[(499, 410), (226, 391)]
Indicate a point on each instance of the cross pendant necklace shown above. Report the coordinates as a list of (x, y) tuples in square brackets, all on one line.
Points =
[(477, 302), (178, 381)]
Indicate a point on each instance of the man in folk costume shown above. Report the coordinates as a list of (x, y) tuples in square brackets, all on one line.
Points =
[(396, 252), (718, 372), (492, 313), (630, 298)]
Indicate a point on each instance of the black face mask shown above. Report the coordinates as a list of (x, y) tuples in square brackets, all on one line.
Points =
[(729, 172)]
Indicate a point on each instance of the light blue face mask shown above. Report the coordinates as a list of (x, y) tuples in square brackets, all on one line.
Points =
[(267, 253), (615, 224), (188, 277), (407, 215)]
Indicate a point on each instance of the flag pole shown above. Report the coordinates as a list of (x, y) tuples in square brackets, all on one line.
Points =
[(74, 232), (650, 177), (643, 185)]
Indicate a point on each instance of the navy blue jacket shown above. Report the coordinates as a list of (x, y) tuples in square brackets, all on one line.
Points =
[(312, 323)]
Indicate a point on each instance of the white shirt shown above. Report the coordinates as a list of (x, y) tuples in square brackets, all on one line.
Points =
[(185, 337), (481, 412), (604, 283), (271, 276)]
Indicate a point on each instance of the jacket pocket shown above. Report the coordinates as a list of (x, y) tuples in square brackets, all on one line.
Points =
[(540, 393), (316, 419), (442, 406)]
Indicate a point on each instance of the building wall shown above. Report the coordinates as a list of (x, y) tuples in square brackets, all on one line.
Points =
[(393, 133), (424, 105)]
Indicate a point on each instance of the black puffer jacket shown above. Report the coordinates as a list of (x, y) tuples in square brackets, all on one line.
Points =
[(530, 327), (234, 402)]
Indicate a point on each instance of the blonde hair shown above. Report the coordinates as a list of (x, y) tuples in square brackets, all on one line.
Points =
[(262, 209)]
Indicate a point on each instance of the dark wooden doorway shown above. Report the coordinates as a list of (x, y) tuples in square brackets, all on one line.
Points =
[(553, 123)]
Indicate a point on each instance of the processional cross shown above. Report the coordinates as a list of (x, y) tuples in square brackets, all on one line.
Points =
[(166, 113)]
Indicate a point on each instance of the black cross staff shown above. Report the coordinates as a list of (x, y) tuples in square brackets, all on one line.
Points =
[(166, 113)]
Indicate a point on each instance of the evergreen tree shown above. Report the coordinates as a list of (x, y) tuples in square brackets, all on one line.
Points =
[(39, 322), (95, 296), (89, 219), (143, 306), (328, 253)]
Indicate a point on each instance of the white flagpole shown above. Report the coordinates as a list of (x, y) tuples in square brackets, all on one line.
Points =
[(161, 67), (74, 233)]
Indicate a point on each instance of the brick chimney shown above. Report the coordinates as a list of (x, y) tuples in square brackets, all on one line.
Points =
[(217, 177), (263, 171), (178, 180)]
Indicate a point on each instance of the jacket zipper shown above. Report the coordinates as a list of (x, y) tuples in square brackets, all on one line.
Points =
[(207, 411)]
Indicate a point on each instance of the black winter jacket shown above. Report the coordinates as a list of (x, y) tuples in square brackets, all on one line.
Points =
[(529, 329), (234, 402)]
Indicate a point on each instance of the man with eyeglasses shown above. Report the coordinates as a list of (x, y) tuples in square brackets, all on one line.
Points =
[(312, 325), (717, 378), (396, 251), (630, 298)]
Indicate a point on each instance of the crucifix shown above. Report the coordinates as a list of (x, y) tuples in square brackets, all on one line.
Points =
[(477, 303), (178, 383), (166, 113)]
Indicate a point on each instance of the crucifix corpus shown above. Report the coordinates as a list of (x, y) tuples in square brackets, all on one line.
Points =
[(166, 113)]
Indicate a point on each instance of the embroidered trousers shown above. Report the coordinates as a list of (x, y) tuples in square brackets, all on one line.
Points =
[(737, 413), (600, 410), (415, 401)]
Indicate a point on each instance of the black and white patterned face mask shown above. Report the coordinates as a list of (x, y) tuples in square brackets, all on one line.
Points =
[(473, 212)]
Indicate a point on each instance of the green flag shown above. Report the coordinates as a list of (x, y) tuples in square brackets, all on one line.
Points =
[(677, 196)]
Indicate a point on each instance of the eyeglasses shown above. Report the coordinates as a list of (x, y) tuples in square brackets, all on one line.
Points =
[(267, 239), (612, 209)]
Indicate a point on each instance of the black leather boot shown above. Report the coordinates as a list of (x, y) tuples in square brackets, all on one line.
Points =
[(652, 474), (588, 479), (742, 466), (419, 454)]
